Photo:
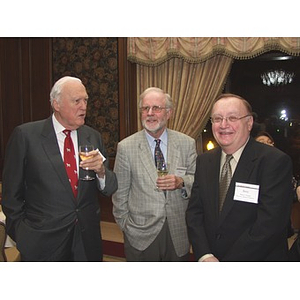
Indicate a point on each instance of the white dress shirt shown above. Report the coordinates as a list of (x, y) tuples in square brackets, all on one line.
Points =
[(58, 128)]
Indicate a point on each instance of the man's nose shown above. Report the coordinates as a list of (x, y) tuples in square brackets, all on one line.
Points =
[(149, 111), (83, 104), (224, 122)]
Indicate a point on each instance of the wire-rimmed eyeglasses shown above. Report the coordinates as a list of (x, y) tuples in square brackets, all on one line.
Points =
[(231, 119), (154, 109)]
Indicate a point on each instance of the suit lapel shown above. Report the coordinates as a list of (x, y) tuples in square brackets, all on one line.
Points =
[(173, 152), (213, 173), (146, 157), (83, 136), (242, 173), (51, 148)]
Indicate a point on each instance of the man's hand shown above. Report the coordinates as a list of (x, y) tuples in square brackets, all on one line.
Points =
[(169, 182), (95, 163), (211, 259)]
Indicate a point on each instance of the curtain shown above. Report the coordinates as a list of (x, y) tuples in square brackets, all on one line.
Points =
[(194, 70), (154, 51), (191, 86)]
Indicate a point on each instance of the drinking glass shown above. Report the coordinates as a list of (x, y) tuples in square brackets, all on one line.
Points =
[(162, 169), (84, 154)]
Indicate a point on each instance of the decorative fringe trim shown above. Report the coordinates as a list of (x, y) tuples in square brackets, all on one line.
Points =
[(217, 50)]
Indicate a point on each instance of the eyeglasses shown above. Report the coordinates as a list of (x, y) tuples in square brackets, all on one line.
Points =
[(230, 119), (155, 109)]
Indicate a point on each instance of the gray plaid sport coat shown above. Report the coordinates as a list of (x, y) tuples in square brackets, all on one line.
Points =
[(139, 209)]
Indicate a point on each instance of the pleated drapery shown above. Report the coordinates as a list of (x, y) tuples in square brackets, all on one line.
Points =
[(191, 86), (194, 70), (154, 51)]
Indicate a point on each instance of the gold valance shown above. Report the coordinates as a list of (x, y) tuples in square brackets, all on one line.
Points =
[(153, 51)]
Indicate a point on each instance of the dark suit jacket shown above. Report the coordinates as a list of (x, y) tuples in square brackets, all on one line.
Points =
[(37, 198), (243, 231)]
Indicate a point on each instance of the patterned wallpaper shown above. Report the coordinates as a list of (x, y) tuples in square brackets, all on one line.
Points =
[(95, 62)]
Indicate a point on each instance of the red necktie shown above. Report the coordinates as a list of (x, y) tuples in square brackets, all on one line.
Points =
[(70, 161)]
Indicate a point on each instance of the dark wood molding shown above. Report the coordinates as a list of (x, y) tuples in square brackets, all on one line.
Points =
[(127, 92)]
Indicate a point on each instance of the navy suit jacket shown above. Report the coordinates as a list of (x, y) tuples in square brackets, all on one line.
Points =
[(242, 231), (38, 200)]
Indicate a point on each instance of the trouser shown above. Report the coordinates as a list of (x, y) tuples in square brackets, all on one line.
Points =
[(161, 249), (71, 249)]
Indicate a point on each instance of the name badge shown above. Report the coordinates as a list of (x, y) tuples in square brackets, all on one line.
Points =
[(246, 192), (180, 171)]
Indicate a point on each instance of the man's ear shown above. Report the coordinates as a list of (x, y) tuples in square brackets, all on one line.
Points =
[(169, 113), (55, 105)]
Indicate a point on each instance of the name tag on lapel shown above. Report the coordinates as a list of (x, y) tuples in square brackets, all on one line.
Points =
[(180, 171), (246, 192)]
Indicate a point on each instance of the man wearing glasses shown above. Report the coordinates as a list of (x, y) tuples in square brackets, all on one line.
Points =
[(242, 195), (150, 210)]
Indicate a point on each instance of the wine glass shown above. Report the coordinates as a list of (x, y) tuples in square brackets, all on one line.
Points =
[(84, 154), (162, 169)]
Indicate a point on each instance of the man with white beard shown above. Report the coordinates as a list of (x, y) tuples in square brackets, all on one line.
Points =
[(150, 210)]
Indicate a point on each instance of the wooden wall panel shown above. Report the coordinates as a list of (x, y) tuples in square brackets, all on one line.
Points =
[(25, 83), (10, 87), (127, 92)]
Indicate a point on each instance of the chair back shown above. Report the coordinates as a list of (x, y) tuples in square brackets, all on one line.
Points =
[(2, 242)]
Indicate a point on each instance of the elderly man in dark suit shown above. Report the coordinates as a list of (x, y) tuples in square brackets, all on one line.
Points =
[(249, 223), (50, 216)]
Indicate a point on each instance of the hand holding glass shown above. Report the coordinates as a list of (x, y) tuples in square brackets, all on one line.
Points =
[(84, 154)]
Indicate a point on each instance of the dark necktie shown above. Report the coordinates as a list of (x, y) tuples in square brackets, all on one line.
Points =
[(225, 179), (158, 155), (70, 161)]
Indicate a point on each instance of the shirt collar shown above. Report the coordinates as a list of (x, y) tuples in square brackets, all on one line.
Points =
[(163, 138), (237, 154), (58, 128)]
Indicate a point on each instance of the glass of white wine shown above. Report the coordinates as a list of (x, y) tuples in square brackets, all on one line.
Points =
[(162, 169), (84, 154)]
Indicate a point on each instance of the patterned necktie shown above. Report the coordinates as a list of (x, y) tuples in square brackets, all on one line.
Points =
[(70, 161), (225, 179), (158, 155)]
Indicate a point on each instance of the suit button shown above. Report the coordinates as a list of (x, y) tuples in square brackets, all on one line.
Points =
[(218, 236)]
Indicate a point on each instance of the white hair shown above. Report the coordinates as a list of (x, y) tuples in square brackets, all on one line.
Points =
[(169, 102), (57, 87)]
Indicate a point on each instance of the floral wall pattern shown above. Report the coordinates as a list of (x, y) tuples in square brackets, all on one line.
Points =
[(95, 62)]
